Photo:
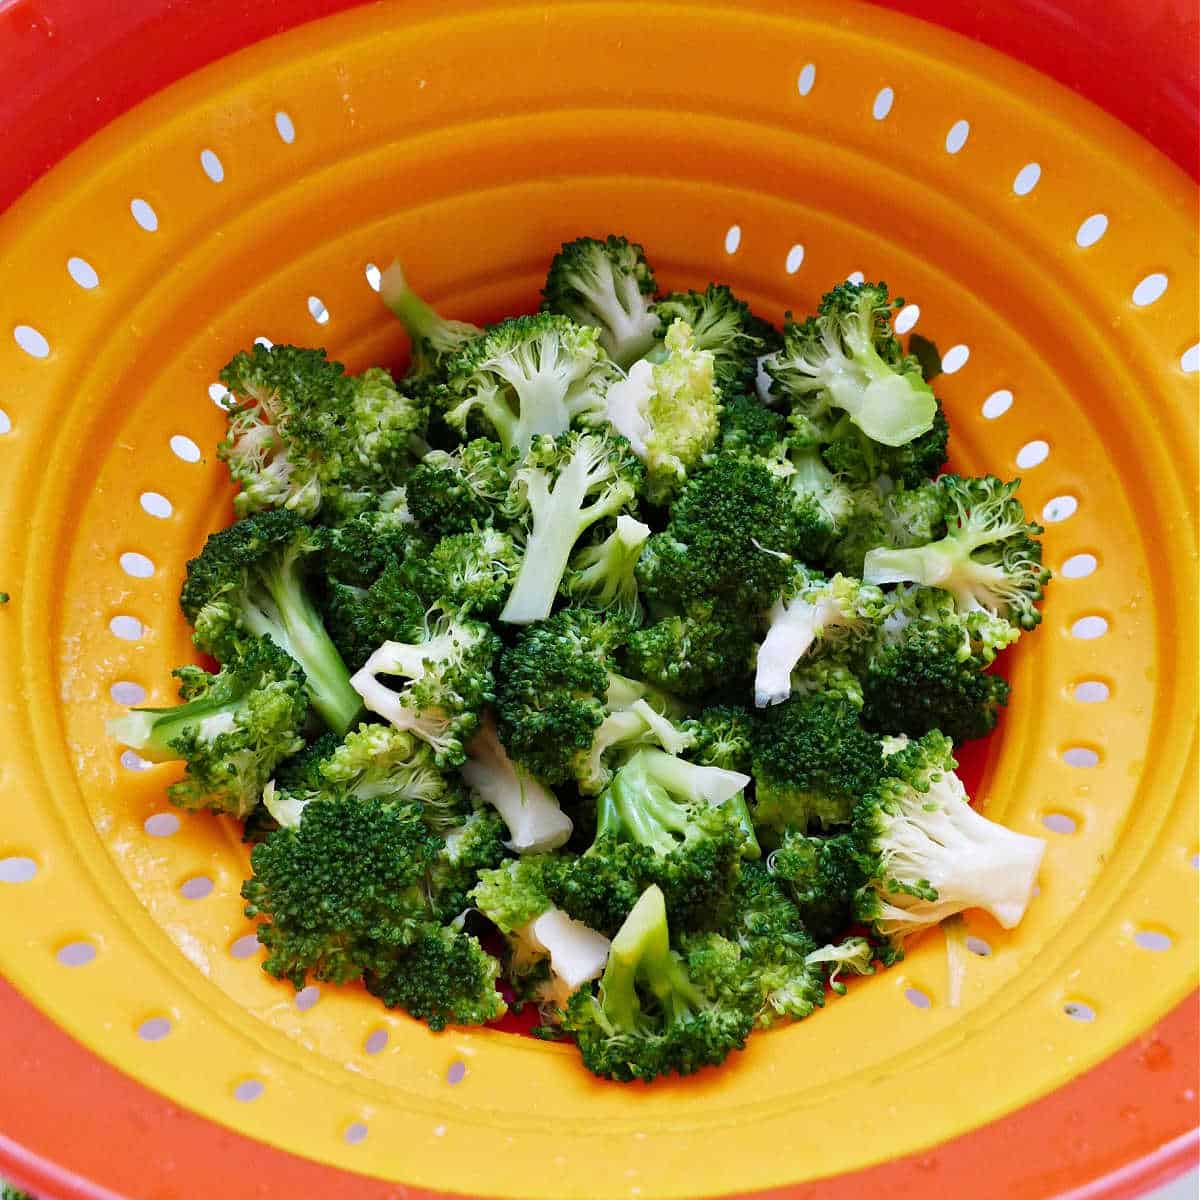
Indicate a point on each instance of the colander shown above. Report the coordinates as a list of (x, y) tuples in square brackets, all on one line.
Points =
[(1047, 251)]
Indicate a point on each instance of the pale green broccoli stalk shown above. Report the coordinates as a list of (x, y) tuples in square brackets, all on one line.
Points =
[(449, 680), (825, 612), (434, 338), (667, 409), (231, 731), (855, 954), (564, 487), (602, 575), (529, 809), (989, 560), (846, 358), (528, 377), (927, 854), (607, 285)]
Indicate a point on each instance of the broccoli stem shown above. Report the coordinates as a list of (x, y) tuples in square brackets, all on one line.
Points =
[(152, 731)]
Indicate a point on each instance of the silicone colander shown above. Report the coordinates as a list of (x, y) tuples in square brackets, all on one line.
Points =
[(1052, 257)]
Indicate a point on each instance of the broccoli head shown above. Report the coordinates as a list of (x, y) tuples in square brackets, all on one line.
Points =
[(434, 338), (471, 572), (821, 876), (456, 491), (723, 736), (601, 575)]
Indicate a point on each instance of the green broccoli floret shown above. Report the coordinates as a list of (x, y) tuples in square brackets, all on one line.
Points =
[(344, 892), (854, 457), (989, 560), (723, 737), (732, 532), (357, 550), (902, 518), (927, 854), (683, 813), (724, 326), (605, 285), (824, 501), (847, 359), (304, 435), (528, 377), (562, 489), (471, 572), (602, 575), (649, 1017), (447, 674), (749, 428), (7, 1191), (474, 845), (667, 409), (855, 954), (710, 644), (231, 731), (456, 491), (821, 877), (249, 582), (360, 618), (434, 338), (812, 762), (813, 615)]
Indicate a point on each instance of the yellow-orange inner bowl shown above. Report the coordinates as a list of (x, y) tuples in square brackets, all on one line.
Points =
[(777, 153)]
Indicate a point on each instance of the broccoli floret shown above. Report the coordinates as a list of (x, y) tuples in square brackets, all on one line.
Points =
[(529, 809), (821, 876), (749, 428), (855, 954), (648, 1016), (249, 581), (231, 731), (989, 560), (815, 614), (847, 359), (456, 491), (725, 327), (434, 338), (360, 618), (563, 488), (903, 517), (927, 854), (303, 434), (682, 812), (723, 736), (711, 643), (667, 409), (854, 457), (812, 762), (528, 377), (605, 285), (447, 674), (732, 532), (444, 978), (343, 893), (7, 1191), (471, 572), (823, 500), (599, 888), (474, 845), (602, 575)]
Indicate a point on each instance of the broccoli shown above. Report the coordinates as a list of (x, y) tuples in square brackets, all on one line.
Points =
[(249, 581), (605, 285), (710, 644), (303, 434), (732, 533), (725, 327), (847, 359), (668, 411), (927, 854), (821, 876), (434, 338), (456, 491), (749, 428), (528, 377), (231, 731), (602, 575), (563, 488), (854, 954), (448, 674), (814, 612), (903, 517), (823, 499), (812, 762), (529, 809), (7, 1191), (854, 457), (723, 736), (470, 572), (358, 619), (357, 551), (683, 813), (989, 560), (649, 1017)]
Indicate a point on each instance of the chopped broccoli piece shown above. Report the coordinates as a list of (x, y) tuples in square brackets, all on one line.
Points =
[(724, 737), (821, 876), (434, 338), (749, 428), (456, 491), (471, 572), (360, 618), (602, 575), (854, 954)]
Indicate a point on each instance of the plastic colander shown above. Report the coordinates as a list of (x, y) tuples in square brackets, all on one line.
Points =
[(1048, 252)]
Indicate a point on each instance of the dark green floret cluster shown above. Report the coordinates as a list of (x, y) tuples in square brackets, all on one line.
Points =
[(610, 660)]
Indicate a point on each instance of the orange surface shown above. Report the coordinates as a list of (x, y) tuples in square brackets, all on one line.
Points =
[(472, 141)]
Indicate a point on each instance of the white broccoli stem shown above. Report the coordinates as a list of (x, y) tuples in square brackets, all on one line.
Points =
[(690, 781), (969, 861), (577, 953), (762, 380), (854, 954), (975, 586), (673, 741), (625, 403), (794, 627), (286, 809), (531, 812)]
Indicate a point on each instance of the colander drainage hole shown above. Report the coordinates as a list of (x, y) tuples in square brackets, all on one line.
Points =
[(1027, 178), (128, 629), (307, 997), (5, 423), (317, 310), (246, 946), (218, 393), (906, 318), (917, 998), (285, 128), (83, 273), (1150, 289), (806, 78), (1033, 454), (374, 275), (156, 505), (1080, 756), (1079, 566), (956, 137), (249, 1090), (1060, 508), (1091, 230), (1091, 691), (17, 869), (733, 239), (955, 358), (997, 404), (1152, 939), (795, 257), (978, 946), (376, 1042), (264, 342), (143, 214), (196, 888), (154, 1030), (884, 99), (855, 277), (131, 760), (212, 166), (124, 692), (456, 1072), (76, 954), (1078, 1011), (184, 448), (31, 340), (161, 825), (1058, 822), (1089, 628), (135, 565), (1189, 360), (355, 1133)]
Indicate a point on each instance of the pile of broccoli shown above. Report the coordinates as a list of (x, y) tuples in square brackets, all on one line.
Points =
[(611, 660)]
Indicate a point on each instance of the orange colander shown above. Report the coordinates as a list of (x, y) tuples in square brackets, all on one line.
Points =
[(1047, 251)]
